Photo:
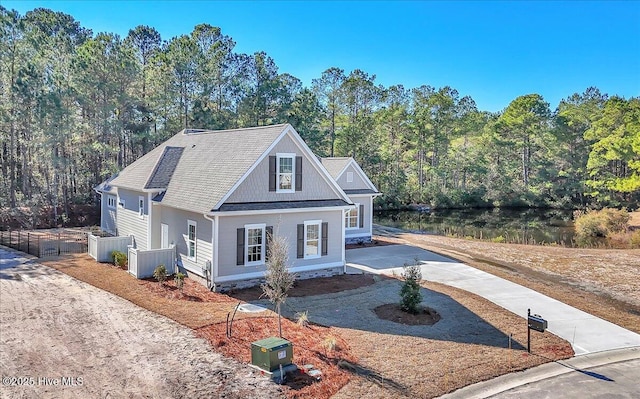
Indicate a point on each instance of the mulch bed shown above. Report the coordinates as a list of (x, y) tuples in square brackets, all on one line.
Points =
[(376, 242), (392, 312), (322, 347)]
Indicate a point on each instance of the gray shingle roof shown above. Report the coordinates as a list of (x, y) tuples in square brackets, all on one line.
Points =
[(211, 163), (161, 175), (335, 165)]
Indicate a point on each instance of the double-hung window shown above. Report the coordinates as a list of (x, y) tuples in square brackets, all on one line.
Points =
[(191, 239), (312, 239), (285, 168), (351, 217), (255, 244)]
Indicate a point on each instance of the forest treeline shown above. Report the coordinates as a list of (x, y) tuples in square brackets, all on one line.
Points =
[(77, 107)]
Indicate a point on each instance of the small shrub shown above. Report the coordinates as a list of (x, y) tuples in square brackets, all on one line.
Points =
[(498, 239), (330, 343), (119, 258), (179, 280), (302, 318), (410, 291), (160, 273)]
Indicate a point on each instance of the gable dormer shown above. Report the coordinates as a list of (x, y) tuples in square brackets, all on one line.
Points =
[(288, 171), (349, 176)]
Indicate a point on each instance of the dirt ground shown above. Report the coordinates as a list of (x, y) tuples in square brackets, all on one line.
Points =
[(53, 326), (602, 282)]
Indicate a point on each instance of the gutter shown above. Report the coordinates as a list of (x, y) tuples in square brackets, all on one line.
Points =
[(211, 285)]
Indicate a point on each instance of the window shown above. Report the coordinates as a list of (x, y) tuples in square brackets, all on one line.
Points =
[(285, 172), (254, 247), (140, 206), (351, 217), (312, 239), (121, 203), (111, 201), (349, 177), (191, 239)]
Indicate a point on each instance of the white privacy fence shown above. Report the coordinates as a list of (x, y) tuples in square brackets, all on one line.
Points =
[(143, 263), (100, 248)]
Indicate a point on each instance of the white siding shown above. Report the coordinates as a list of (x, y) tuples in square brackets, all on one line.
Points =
[(255, 188), (284, 225), (177, 219), (128, 220)]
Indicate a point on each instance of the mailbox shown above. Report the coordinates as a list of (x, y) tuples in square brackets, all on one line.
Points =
[(536, 322)]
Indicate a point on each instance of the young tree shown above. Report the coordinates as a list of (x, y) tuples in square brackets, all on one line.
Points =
[(278, 278), (410, 291)]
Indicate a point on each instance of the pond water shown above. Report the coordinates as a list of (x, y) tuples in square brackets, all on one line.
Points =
[(531, 226)]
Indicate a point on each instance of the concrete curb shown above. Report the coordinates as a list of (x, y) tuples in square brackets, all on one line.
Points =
[(506, 382)]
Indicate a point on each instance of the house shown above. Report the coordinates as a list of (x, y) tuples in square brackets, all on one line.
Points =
[(216, 196), (361, 192)]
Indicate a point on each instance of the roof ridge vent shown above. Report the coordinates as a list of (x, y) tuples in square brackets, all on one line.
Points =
[(194, 131)]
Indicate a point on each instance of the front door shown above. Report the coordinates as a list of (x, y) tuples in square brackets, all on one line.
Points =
[(164, 236)]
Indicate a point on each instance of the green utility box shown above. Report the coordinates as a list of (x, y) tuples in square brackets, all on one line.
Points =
[(269, 353)]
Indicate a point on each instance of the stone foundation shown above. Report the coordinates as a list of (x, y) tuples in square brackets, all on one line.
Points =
[(357, 240), (240, 284)]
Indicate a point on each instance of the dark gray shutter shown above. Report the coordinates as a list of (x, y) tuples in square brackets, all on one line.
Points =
[(269, 236), (240, 247), (325, 238), (272, 173), (361, 216), (298, 173), (300, 241)]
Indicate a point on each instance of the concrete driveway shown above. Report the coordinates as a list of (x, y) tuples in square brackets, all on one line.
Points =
[(585, 332)]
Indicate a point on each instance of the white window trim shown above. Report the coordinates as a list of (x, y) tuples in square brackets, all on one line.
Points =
[(194, 241), (141, 207), (349, 177), (111, 201), (347, 215), (262, 226), (293, 172), (313, 223)]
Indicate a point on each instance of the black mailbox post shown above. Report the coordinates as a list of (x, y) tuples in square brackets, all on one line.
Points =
[(534, 322)]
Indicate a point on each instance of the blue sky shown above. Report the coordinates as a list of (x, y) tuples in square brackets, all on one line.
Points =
[(492, 51)]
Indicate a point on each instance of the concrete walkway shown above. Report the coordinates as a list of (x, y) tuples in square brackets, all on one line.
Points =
[(586, 333)]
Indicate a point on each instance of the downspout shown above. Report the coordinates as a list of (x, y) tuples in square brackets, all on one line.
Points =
[(211, 285), (371, 217), (344, 258), (149, 224)]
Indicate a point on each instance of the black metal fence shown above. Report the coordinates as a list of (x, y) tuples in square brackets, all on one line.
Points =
[(43, 243)]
